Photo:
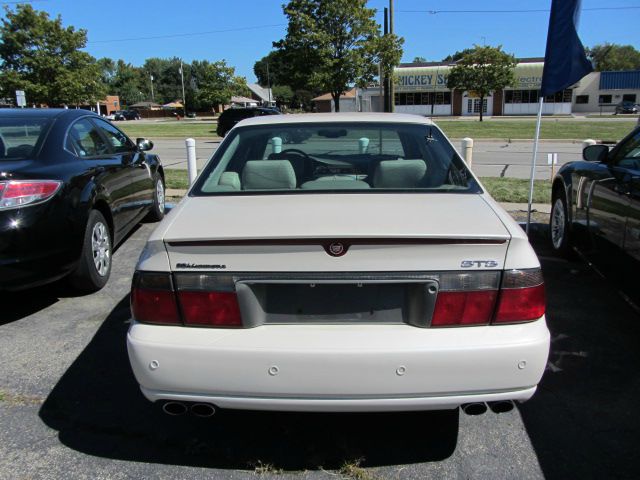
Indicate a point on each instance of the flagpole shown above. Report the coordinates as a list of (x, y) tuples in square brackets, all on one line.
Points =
[(533, 161)]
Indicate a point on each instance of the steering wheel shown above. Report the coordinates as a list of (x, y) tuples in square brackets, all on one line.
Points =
[(302, 165), (296, 151)]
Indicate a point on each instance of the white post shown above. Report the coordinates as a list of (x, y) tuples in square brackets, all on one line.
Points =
[(276, 145), (533, 162), (587, 142), (363, 145), (192, 167), (467, 150)]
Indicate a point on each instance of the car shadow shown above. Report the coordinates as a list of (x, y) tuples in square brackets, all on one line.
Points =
[(583, 420), (97, 408)]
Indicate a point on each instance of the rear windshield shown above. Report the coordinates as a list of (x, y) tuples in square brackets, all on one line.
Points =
[(19, 137), (320, 157)]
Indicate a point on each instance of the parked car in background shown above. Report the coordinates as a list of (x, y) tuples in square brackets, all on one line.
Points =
[(127, 115), (72, 186), (231, 116), (596, 205), (626, 107), (363, 269)]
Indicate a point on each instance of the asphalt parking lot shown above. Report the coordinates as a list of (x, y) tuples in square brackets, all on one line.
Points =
[(70, 407)]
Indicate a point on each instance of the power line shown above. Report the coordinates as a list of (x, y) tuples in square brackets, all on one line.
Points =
[(190, 34), (536, 10)]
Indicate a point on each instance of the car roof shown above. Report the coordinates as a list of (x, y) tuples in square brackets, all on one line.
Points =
[(44, 112), (367, 117)]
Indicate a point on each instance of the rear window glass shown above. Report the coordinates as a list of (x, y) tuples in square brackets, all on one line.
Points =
[(20, 136), (323, 157)]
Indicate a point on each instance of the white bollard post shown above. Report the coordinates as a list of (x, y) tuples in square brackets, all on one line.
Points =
[(363, 145), (587, 142), (192, 167), (467, 150), (276, 145)]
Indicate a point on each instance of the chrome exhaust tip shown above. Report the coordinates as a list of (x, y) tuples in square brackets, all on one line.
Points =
[(203, 410), (174, 408), (474, 408), (502, 406)]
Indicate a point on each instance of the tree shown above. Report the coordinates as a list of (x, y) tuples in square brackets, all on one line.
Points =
[(483, 70), (458, 55), (215, 83), (609, 56), (335, 44), (43, 58), (419, 60), (283, 95)]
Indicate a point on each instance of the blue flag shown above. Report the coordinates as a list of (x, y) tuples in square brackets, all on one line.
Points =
[(565, 61)]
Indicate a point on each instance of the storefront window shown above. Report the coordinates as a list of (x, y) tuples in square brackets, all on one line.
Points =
[(582, 99), (604, 99), (424, 98)]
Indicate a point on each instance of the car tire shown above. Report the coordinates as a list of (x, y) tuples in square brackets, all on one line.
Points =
[(94, 268), (559, 233), (158, 206)]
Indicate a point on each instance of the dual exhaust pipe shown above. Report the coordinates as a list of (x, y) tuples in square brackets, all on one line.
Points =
[(203, 410), (478, 408)]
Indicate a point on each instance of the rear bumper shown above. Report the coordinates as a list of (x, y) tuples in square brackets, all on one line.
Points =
[(339, 368)]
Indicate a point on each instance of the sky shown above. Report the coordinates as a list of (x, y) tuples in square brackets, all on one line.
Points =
[(242, 31)]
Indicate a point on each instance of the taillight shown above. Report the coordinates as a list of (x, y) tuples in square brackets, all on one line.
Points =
[(19, 193), (465, 299), (522, 296), (208, 300), (153, 299), (186, 299)]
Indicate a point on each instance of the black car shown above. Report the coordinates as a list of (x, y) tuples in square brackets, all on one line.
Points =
[(231, 116), (626, 107), (126, 115), (72, 186), (596, 204)]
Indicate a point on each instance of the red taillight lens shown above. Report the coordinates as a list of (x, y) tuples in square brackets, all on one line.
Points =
[(464, 308), (522, 297), (153, 299), (18, 193), (213, 309)]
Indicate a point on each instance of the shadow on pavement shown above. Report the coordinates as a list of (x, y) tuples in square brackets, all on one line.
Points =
[(583, 420), (98, 409)]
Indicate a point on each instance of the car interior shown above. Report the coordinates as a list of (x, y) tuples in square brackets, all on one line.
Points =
[(335, 159)]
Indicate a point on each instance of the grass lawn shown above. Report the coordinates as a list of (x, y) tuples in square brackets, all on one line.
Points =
[(551, 128), (514, 190), (182, 129)]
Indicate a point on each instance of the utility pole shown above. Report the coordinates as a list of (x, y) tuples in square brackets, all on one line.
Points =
[(268, 84), (392, 93), (152, 97), (184, 100), (383, 78)]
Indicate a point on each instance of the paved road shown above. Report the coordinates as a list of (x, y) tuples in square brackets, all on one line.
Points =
[(71, 409), (490, 159)]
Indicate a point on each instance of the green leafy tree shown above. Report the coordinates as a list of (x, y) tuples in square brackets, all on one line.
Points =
[(419, 60), (458, 55), (215, 83), (42, 57), (335, 44), (609, 56), (483, 70), (279, 73), (283, 95)]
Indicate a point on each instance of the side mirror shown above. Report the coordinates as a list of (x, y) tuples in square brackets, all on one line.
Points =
[(143, 144), (595, 153)]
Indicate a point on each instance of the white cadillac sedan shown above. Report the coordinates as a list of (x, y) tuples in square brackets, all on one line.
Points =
[(337, 262)]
